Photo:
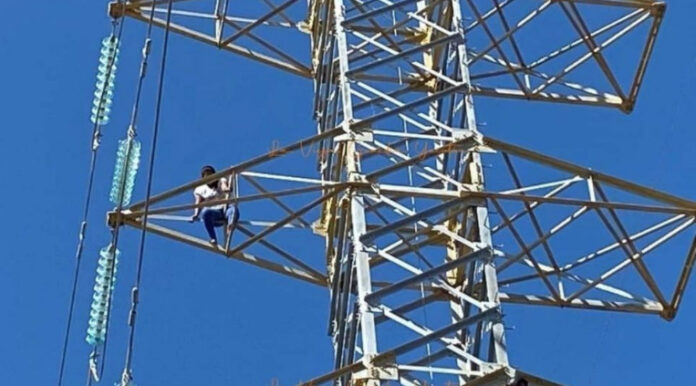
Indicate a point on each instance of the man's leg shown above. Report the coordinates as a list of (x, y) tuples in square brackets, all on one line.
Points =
[(210, 217)]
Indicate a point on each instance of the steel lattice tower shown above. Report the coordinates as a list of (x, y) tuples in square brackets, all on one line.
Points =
[(411, 226)]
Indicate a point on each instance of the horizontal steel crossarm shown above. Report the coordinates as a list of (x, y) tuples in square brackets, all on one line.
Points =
[(443, 194), (254, 223), (287, 177), (240, 199), (589, 173), (243, 257), (273, 154), (618, 3), (481, 254), (604, 100), (654, 308), (407, 191), (211, 16), (373, 234), (133, 10), (389, 355)]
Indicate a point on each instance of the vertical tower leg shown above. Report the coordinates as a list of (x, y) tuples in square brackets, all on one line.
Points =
[(478, 228), (357, 205), (353, 317)]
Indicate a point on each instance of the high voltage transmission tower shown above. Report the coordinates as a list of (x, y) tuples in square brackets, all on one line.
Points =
[(419, 225)]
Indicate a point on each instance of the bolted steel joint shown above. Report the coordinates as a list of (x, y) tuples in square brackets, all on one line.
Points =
[(114, 219), (116, 10)]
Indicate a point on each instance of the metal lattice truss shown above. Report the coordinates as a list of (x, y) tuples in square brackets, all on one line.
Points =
[(547, 50), (417, 249), (399, 230), (629, 254)]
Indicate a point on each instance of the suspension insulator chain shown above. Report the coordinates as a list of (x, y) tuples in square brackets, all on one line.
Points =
[(103, 291), (104, 92), (125, 170)]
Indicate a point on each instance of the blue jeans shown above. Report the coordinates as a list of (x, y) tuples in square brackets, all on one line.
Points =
[(212, 218)]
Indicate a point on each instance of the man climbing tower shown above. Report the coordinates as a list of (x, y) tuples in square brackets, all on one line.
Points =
[(218, 214)]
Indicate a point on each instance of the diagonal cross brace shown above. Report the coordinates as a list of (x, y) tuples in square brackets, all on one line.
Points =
[(389, 355), (481, 254), (373, 234)]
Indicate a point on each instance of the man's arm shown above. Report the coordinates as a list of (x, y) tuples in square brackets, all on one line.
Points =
[(224, 186), (196, 211)]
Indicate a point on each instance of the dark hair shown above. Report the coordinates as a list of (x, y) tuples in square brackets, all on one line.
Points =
[(209, 169)]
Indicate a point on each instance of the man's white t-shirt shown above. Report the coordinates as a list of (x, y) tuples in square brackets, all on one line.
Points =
[(207, 193)]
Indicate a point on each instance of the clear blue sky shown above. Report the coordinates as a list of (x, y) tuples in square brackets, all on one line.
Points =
[(207, 321)]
